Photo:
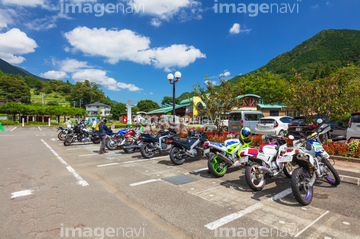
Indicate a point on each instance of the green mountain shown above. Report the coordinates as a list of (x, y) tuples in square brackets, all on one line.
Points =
[(330, 49), (14, 70)]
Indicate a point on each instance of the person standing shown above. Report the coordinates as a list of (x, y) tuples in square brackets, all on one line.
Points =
[(68, 123), (93, 124), (102, 133)]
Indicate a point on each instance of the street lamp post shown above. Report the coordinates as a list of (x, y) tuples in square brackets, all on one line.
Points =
[(43, 98), (171, 78)]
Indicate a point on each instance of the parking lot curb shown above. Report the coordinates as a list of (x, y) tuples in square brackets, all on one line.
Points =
[(356, 160), (349, 179)]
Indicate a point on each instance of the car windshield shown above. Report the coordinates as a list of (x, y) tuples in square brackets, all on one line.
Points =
[(286, 120), (235, 116)]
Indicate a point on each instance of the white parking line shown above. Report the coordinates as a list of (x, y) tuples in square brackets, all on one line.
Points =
[(199, 170), (39, 128), (144, 182), (81, 181), (298, 234), (137, 161), (13, 129), (21, 193), (222, 221), (105, 165), (86, 155)]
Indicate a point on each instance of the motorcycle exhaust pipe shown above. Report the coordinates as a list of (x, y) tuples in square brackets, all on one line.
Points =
[(225, 159), (264, 169), (131, 146)]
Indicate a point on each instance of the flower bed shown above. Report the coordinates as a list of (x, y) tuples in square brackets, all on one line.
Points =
[(351, 149)]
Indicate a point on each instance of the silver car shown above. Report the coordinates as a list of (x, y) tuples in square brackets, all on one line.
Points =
[(273, 125)]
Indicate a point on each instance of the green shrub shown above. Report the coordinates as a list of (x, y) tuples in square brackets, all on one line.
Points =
[(118, 126), (8, 122)]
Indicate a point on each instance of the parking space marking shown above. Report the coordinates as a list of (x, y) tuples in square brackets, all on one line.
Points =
[(39, 128), (105, 165), (13, 129), (299, 233), (199, 170), (225, 220), (84, 155), (81, 181), (137, 161), (21, 193), (144, 182)]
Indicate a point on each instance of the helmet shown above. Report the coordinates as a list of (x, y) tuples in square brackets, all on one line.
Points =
[(191, 132), (245, 132), (104, 120)]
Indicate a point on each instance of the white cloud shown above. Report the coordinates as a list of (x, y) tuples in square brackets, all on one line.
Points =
[(127, 45), (6, 17), (212, 82), (151, 93), (236, 29), (45, 23), (15, 43), (100, 77), (25, 3), (72, 65), (316, 6), (167, 9), (54, 75), (155, 22), (225, 74)]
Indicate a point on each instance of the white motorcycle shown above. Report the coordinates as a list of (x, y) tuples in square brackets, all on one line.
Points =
[(269, 161), (313, 163)]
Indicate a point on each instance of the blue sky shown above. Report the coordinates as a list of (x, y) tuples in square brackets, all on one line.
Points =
[(130, 54)]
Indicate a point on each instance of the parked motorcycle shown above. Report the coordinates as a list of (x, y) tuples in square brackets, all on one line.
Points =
[(152, 143), (63, 132), (82, 136), (269, 161), (313, 163), (225, 156), (189, 148), (131, 141), (116, 140)]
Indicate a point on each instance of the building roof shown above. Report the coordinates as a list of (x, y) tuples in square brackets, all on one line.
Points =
[(97, 104), (186, 101), (270, 106), (247, 95), (167, 109)]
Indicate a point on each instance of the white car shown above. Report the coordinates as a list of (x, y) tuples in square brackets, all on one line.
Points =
[(273, 125), (353, 132)]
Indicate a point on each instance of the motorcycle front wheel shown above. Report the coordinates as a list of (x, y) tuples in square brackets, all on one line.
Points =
[(333, 177), (254, 178), (111, 144), (215, 166), (68, 141), (302, 192), (129, 151), (176, 156), (146, 151)]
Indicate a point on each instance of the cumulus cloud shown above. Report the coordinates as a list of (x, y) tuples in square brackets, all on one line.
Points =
[(15, 43), (155, 22), (26, 3), (225, 74), (127, 45), (72, 65), (6, 17), (54, 75), (100, 77), (236, 29)]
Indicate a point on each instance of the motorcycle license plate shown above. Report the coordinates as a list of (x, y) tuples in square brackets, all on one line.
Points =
[(285, 159), (206, 151), (298, 129), (244, 159), (234, 126)]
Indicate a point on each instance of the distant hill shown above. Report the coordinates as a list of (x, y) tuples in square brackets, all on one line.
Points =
[(329, 48), (14, 70)]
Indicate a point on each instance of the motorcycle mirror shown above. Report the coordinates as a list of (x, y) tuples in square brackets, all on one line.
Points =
[(264, 136), (319, 121), (291, 137)]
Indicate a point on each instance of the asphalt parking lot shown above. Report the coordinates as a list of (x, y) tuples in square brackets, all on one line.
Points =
[(52, 191)]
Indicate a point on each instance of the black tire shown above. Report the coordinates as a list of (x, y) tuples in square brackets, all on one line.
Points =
[(281, 134), (213, 165), (145, 152), (129, 151), (301, 191), (62, 135), (252, 175), (68, 140), (111, 144), (335, 179), (288, 170), (175, 157), (225, 128), (96, 141)]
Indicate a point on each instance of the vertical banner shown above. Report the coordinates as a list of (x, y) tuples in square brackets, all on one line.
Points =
[(129, 118)]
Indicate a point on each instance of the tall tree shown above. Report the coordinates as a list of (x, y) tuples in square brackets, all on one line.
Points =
[(147, 105), (169, 100), (117, 109), (14, 89)]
